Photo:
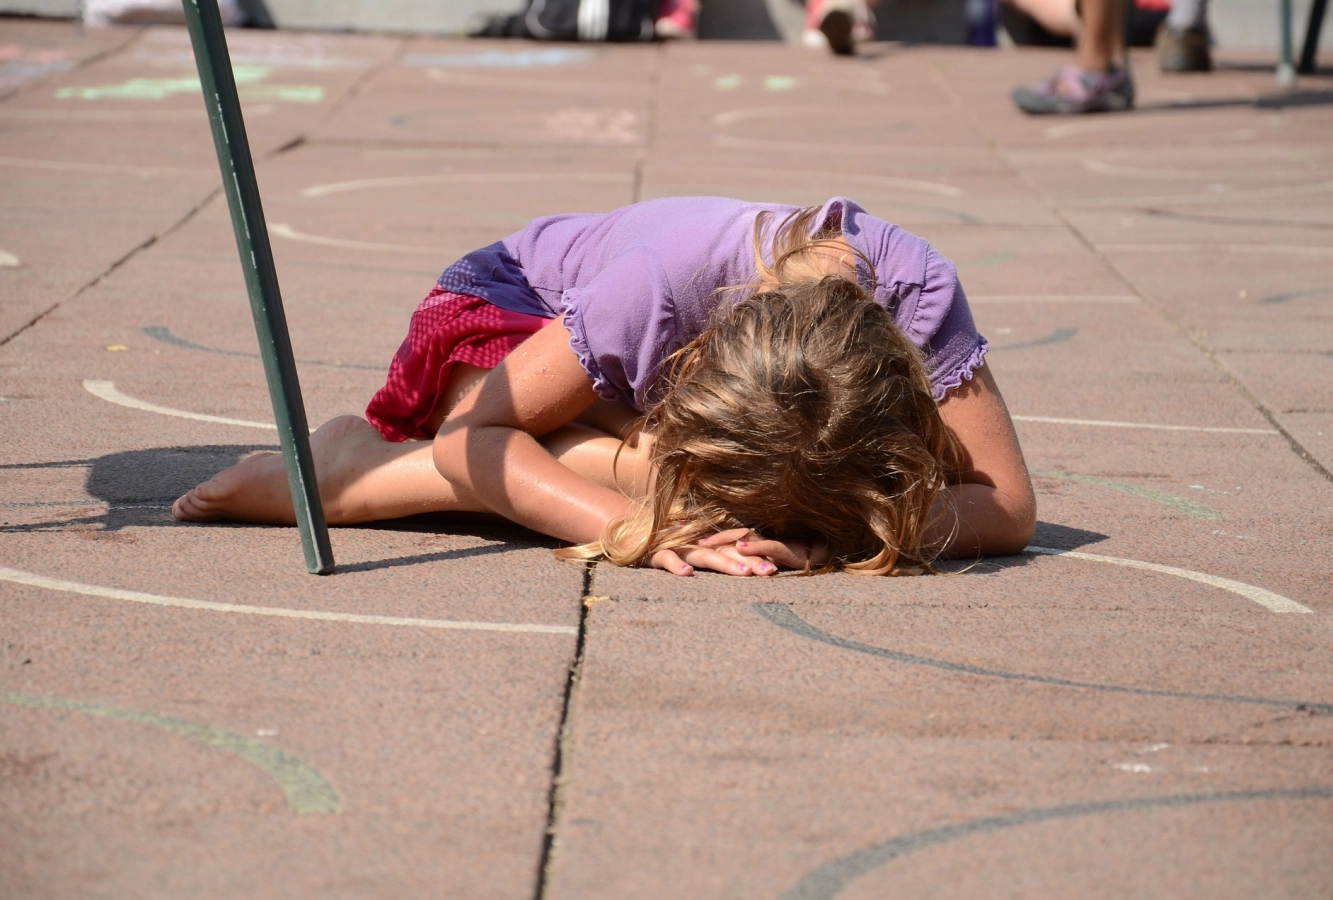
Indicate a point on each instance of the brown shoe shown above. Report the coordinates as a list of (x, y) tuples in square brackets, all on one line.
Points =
[(1183, 51)]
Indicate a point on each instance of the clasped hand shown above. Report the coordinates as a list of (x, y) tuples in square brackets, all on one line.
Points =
[(740, 551)]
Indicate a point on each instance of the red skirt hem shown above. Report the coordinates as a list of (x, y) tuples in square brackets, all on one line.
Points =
[(447, 328)]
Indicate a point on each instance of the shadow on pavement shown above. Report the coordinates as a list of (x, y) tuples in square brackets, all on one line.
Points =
[(1048, 534), (1275, 100), (139, 487)]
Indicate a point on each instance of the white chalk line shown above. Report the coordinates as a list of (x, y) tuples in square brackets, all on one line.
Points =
[(121, 115), (731, 117), (18, 576), (1056, 132), (283, 230), (1273, 602), (1277, 249), (106, 390), (741, 143), (910, 184), (533, 85), (8, 260), (1295, 190), (1267, 599), (1098, 167), (1099, 423), (369, 184), (101, 168), (1053, 298)]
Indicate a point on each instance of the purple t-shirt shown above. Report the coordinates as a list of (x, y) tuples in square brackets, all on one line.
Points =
[(638, 283)]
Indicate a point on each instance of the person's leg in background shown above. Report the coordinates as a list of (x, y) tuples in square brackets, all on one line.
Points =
[(1183, 40), (1099, 79), (838, 25), (677, 20)]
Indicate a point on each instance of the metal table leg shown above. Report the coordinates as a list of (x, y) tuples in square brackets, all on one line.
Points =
[(1286, 72), (261, 279)]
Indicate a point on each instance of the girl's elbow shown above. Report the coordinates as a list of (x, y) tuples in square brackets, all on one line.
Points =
[(1023, 517)]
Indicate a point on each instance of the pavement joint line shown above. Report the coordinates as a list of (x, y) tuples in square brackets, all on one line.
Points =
[(152, 239), (133, 35), (335, 105), (829, 880), (18, 576), (1104, 423), (651, 127), (133, 252), (1296, 446), (1267, 599), (564, 740), (160, 333), (1209, 353), (783, 617), (1188, 507), (307, 792)]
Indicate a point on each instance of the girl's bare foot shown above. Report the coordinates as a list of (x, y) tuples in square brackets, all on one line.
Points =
[(253, 490), (256, 489)]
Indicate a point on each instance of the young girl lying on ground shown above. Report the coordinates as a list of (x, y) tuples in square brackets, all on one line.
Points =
[(691, 382)]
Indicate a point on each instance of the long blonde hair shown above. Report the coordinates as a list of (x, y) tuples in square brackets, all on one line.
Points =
[(801, 412)]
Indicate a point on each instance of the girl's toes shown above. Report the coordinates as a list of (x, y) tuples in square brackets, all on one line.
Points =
[(184, 508), (200, 504)]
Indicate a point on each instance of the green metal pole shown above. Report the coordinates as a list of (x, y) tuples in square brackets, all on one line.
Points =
[(261, 278), (1286, 73)]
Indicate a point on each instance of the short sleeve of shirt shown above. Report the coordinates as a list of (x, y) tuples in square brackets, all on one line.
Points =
[(942, 325), (622, 324)]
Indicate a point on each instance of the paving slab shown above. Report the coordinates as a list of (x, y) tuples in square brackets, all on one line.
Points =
[(788, 757)]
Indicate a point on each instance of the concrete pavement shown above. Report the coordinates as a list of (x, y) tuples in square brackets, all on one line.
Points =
[(1140, 704)]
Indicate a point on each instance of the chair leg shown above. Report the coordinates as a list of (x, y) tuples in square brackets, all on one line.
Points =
[(1312, 30)]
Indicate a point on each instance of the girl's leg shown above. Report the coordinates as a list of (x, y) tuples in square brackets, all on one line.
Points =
[(364, 478)]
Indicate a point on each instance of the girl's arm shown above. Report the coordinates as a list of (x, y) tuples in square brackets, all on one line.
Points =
[(488, 443), (488, 446), (992, 511)]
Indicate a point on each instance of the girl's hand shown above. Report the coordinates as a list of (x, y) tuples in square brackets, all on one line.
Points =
[(740, 551), (717, 552), (788, 554)]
